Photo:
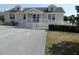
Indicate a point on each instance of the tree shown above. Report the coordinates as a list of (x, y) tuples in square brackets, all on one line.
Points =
[(77, 8), (72, 19), (65, 18), (77, 19)]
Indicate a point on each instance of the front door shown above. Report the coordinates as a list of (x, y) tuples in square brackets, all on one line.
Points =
[(35, 20), (23, 21)]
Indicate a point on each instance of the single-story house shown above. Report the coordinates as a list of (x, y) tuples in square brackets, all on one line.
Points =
[(38, 17), (1, 13)]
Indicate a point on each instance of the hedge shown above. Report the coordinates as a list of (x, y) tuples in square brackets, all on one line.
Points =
[(65, 28)]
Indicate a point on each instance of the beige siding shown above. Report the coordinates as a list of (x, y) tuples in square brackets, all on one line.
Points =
[(29, 17), (6, 16), (43, 20), (59, 19), (18, 16)]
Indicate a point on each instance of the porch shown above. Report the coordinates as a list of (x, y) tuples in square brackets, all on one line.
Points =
[(36, 19), (38, 25)]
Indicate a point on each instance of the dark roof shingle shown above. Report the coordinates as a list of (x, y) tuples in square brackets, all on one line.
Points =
[(43, 9)]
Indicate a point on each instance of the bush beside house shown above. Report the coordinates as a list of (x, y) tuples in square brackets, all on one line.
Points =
[(2, 18)]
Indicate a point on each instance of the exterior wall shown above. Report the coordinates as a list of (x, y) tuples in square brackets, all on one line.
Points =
[(43, 19), (6, 16), (59, 19), (18, 17), (45, 22)]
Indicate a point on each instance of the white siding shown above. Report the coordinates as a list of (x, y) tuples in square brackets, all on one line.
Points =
[(6, 16), (59, 19), (18, 16), (43, 20)]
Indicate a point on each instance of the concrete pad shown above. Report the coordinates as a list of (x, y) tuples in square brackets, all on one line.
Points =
[(16, 41)]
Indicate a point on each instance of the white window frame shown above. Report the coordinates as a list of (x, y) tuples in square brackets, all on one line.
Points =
[(36, 19), (52, 17), (24, 16), (12, 16)]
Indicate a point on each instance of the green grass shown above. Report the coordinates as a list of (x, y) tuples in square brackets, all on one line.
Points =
[(56, 37)]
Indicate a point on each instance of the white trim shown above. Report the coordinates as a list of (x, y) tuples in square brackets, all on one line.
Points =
[(54, 13), (52, 17), (34, 9)]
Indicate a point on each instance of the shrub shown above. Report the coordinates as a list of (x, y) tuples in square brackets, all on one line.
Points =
[(2, 18), (14, 23), (64, 28)]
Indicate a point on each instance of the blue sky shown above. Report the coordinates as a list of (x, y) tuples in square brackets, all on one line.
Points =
[(69, 8)]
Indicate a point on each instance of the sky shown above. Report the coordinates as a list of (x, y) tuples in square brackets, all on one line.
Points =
[(68, 8)]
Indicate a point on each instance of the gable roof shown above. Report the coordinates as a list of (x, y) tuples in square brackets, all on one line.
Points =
[(58, 10), (41, 9), (33, 10)]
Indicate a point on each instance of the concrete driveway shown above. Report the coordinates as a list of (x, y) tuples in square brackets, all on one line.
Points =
[(17, 41)]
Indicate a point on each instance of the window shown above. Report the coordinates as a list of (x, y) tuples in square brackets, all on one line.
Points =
[(18, 8), (51, 8), (35, 17), (12, 16), (51, 17), (24, 16)]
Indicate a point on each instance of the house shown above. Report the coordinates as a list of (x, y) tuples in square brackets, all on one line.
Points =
[(35, 18), (1, 13)]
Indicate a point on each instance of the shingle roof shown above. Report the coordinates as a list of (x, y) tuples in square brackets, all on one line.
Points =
[(43, 9), (58, 10)]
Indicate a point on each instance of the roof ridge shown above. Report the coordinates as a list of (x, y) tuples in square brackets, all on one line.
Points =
[(44, 9)]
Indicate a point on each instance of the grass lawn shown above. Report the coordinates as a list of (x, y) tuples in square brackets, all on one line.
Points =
[(56, 37)]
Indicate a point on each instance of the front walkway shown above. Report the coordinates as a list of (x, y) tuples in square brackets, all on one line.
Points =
[(22, 41)]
